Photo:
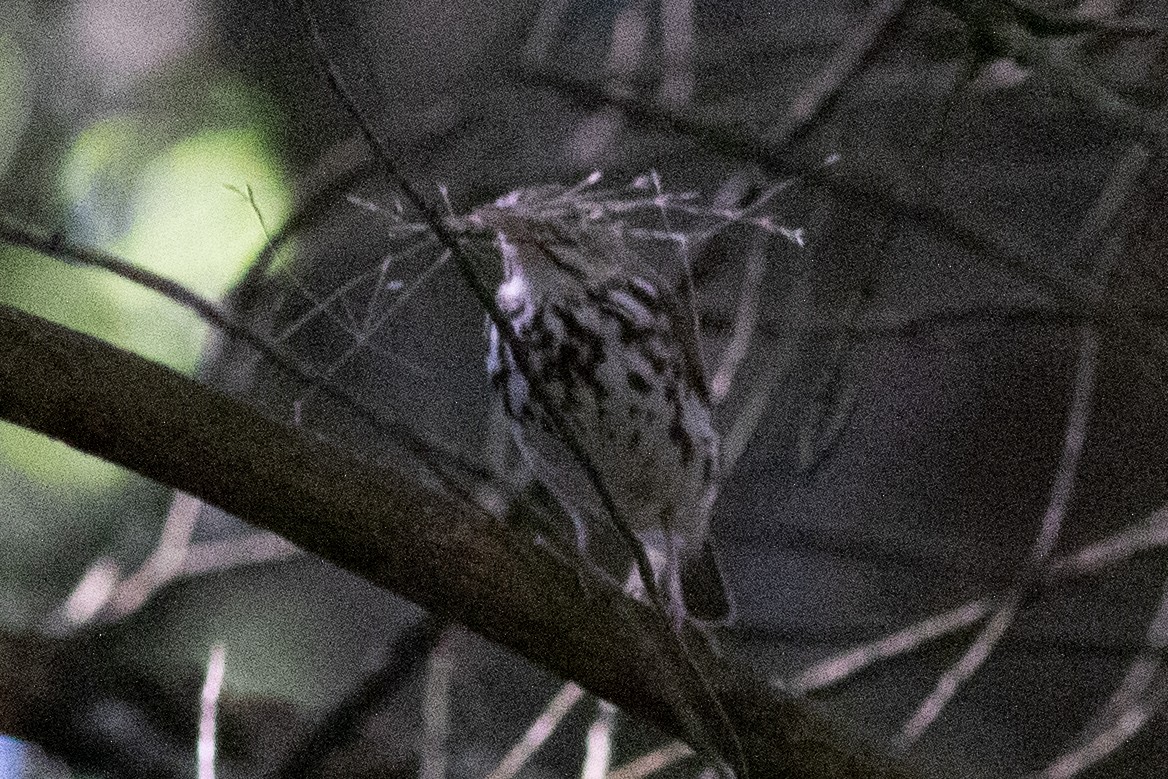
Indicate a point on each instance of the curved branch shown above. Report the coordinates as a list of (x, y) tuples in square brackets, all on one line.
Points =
[(447, 557)]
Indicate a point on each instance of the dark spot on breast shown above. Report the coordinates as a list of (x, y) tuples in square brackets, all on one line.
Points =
[(639, 383), (628, 333), (656, 361), (580, 352)]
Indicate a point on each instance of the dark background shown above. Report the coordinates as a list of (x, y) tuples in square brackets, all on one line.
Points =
[(996, 205)]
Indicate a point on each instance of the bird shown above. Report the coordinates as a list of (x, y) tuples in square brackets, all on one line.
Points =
[(600, 375)]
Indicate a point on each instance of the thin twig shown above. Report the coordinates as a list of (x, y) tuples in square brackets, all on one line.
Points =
[(1139, 675), (961, 671), (1078, 417), (652, 762), (361, 339), (1123, 727), (832, 398), (208, 711), (834, 670), (482, 293), (742, 430), (821, 91), (165, 561), (340, 725), (302, 217), (627, 40), (538, 732), (434, 751), (688, 293), (598, 742), (222, 555), (1147, 534), (90, 595), (744, 321), (436, 455), (99, 593), (1127, 709)]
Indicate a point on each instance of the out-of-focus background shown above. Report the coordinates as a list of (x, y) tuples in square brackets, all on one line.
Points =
[(947, 421)]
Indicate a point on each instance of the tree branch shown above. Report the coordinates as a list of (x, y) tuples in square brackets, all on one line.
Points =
[(443, 555)]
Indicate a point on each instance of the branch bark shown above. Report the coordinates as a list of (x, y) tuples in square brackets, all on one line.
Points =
[(449, 558)]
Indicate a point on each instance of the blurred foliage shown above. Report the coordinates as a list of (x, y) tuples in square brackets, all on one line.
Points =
[(14, 105), (182, 175), (195, 210)]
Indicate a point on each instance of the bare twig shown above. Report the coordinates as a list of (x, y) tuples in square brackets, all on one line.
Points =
[(208, 709), (339, 726), (1139, 694), (362, 338), (1139, 675), (439, 457), (1143, 690), (1147, 534), (538, 732), (1078, 416), (90, 595), (1150, 533), (222, 555), (833, 397), (105, 596), (434, 755), (961, 671), (165, 561), (102, 595), (1126, 724), (394, 531), (1109, 204), (321, 195), (834, 670), (744, 321), (735, 441), (598, 742), (821, 90), (652, 762)]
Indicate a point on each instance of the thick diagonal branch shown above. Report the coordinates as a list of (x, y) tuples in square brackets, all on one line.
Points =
[(428, 548)]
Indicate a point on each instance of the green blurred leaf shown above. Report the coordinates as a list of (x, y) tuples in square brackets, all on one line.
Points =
[(192, 222), (14, 104), (185, 209)]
